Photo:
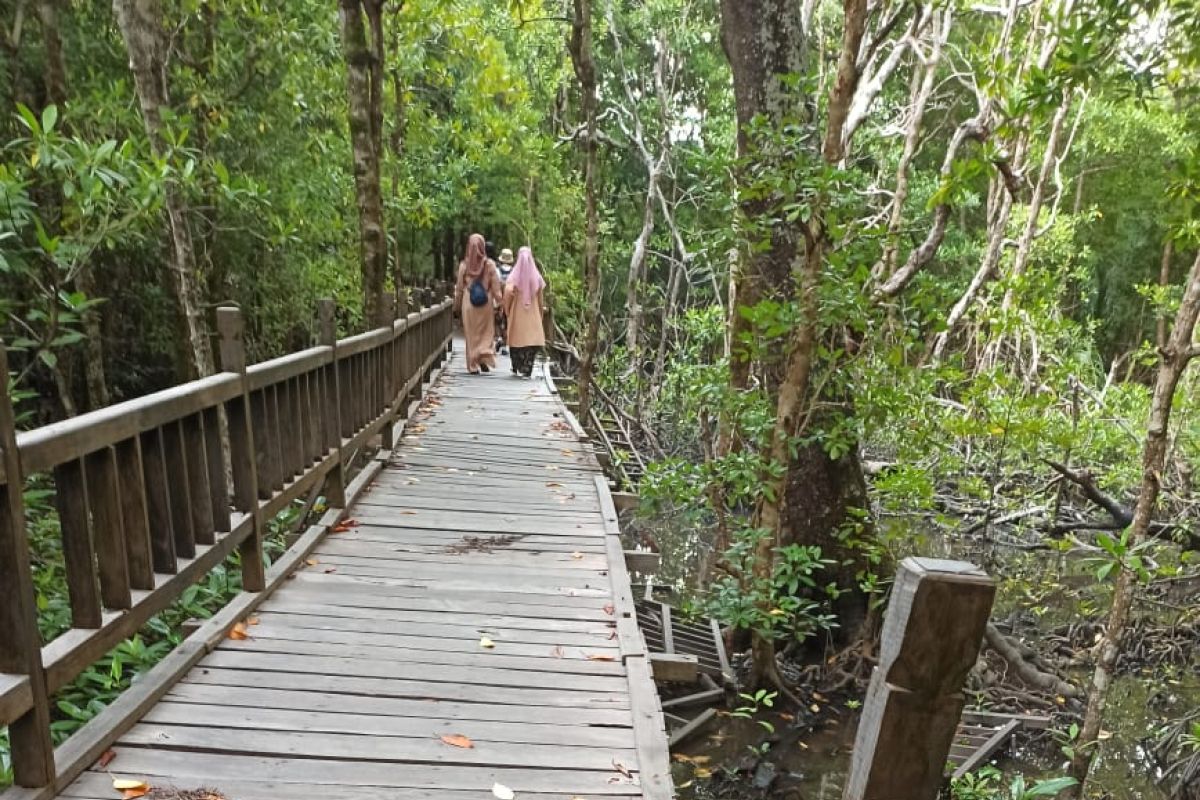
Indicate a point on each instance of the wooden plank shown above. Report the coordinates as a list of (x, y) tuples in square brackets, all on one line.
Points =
[(83, 589), (234, 697), (706, 696), (642, 561), (16, 696), (202, 767), (410, 689), (550, 633), (108, 537), (364, 668), (570, 660), (649, 730), (430, 725), (692, 727), (674, 667), (98, 786), (136, 523)]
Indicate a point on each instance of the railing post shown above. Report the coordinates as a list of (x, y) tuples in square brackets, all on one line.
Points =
[(931, 637), (335, 483), (243, 460), (20, 641)]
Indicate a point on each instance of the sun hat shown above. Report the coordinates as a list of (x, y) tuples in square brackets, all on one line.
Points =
[(506, 256)]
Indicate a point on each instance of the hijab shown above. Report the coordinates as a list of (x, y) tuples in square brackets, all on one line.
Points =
[(525, 276), (476, 261)]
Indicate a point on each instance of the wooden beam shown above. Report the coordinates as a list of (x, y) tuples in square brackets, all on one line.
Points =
[(642, 561), (692, 727), (707, 696), (626, 501), (674, 667)]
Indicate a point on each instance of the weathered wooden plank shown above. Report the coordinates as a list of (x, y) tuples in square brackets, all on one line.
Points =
[(649, 730), (98, 786), (410, 689), (550, 633), (431, 724), (989, 748), (371, 706), (572, 660), (202, 767), (108, 536), (364, 668), (674, 667), (214, 457), (461, 639)]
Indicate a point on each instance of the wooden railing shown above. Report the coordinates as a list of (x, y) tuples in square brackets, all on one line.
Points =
[(155, 492)]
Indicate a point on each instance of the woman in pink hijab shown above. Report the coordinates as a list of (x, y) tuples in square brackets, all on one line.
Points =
[(476, 293), (523, 305)]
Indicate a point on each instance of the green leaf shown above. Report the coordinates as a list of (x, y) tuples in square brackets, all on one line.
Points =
[(27, 117), (1050, 788), (48, 358), (49, 117)]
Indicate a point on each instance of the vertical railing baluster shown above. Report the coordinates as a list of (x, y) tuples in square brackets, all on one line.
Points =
[(304, 421), (79, 557), (275, 406), (312, 383), (180, 486), (133, 514), (262, 442), (335, 484), (32, 751), (218, 482), (199, 496), (100, 471), (243, 445), (158, 502), (387, 321)]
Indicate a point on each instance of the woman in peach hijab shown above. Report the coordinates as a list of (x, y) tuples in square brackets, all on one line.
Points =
[(523, 305), (476, 294)]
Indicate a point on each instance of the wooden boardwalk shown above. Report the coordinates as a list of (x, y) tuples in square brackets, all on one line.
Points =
[(477, 590)]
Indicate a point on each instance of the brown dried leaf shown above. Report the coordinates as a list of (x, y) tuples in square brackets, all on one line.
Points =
[(238, 632), (621, 768), (106, 758), (252, 621), (601, 657), (312, 562), (457, 740), (557, 652)]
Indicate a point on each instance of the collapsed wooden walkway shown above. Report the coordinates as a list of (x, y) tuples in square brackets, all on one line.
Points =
[(464, 628)]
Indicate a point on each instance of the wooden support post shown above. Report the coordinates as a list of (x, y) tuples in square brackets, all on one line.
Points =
[(931, 638), (20, 641), (335, 483), (243, 459), (642, 561), (674, 667)]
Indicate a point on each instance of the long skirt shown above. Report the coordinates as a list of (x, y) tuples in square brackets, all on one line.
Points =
[(479, 329), (523, 359)]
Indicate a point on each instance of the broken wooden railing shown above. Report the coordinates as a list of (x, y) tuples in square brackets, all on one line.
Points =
[(155, 492)]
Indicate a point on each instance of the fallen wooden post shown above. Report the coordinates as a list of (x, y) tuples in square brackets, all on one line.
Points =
[(931, 638), (707, 696), (694, 726)]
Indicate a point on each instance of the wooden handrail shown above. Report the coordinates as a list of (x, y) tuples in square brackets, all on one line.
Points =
[(155, 492)]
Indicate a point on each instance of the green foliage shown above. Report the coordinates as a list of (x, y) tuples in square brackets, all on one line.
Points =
[(988, 784)]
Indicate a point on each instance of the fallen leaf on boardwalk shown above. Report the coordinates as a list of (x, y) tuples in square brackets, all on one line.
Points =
[(486, 643), (312, 562), (129, 794), (608, 609), (576, 555), (553, 484), (458, 740), (600, 657), (106, 759), (408, 513), (252, 621), (612, 635), (502, 792), (621, 768), (557, 652), (331, 570), (567, 452), (238, 633), (123, 785)]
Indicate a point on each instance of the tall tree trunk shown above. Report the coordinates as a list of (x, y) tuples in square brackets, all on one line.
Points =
[(364, 81), (1164, 280), (580, 45), (1173, 361), (141, 24)]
